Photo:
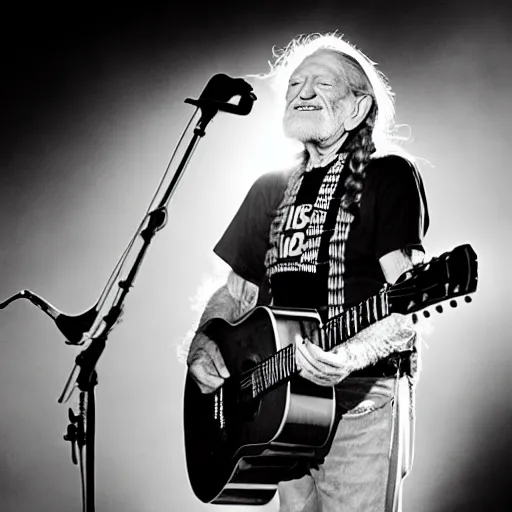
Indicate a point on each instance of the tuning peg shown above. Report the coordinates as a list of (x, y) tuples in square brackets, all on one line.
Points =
[(468, 299), (426, 314), (439, 309), (453, 303)]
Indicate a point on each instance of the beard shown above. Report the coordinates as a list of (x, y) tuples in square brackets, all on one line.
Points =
[(312, 126)]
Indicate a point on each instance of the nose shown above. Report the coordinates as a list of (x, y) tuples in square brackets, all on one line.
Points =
[(307, 90)]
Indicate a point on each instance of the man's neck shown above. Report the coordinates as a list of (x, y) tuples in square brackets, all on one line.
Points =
[(321, 155)]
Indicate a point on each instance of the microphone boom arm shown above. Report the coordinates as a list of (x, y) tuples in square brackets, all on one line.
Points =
[(96, 323)]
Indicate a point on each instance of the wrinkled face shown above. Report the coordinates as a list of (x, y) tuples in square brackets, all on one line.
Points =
[(318, 99)]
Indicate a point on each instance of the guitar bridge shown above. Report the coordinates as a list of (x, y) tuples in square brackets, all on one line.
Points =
[(218, 408)]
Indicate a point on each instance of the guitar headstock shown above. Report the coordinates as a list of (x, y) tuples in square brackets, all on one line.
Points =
[(450, 275)]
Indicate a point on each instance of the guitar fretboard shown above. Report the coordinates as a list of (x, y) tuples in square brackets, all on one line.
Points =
[(453, 274), (279, 367), (353, 320)]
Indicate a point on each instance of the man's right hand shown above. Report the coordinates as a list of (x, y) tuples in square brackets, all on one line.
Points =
[(206, 364)]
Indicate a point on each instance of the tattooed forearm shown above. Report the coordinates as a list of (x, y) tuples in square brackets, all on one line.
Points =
[(393, 334)]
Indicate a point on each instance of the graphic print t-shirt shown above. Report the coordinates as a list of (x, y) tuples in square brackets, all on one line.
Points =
[(300, 281), (392, 215)]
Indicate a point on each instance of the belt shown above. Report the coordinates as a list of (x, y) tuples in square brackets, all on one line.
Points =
[(399, 362)]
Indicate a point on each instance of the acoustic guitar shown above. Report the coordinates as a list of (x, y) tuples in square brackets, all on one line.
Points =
[(265, 420)]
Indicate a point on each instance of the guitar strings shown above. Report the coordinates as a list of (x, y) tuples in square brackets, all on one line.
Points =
[(353, 318), (280, 359), (272, 369), (247, 377)]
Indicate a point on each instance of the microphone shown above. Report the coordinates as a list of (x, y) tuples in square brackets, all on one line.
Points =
[(72, 327), (218, 94)]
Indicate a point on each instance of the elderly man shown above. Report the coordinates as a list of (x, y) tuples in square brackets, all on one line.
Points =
[(327, 235)]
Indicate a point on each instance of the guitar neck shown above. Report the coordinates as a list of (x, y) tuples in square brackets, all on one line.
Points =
[(453, 274), (347, 324), (281, 366)]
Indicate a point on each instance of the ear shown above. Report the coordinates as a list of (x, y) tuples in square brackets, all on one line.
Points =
[(361, 107)]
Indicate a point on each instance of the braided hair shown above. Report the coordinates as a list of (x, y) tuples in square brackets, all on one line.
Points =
[(360, 149)]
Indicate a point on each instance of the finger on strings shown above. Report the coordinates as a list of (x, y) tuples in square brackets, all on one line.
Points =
[(313, 376), (329, 359), (332, 370), (314, 368)]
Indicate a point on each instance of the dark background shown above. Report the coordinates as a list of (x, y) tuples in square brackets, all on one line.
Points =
[(92, 108)]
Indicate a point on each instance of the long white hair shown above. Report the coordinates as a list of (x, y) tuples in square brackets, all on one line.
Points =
[(385, 131)]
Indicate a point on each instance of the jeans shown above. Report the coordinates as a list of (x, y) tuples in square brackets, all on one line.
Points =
[(370, 454)]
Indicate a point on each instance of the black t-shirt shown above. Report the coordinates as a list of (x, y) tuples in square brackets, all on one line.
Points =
[(392, 215)]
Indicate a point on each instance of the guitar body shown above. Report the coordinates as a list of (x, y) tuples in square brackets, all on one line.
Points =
[(238, 448), (264, 422)]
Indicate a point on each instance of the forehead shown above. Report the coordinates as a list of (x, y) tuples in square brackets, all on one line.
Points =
[(322, 61)]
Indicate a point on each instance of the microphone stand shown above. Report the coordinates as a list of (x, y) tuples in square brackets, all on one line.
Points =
[(93, 326)]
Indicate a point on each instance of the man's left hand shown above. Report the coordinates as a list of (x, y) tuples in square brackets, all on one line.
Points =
[(318, 366)]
